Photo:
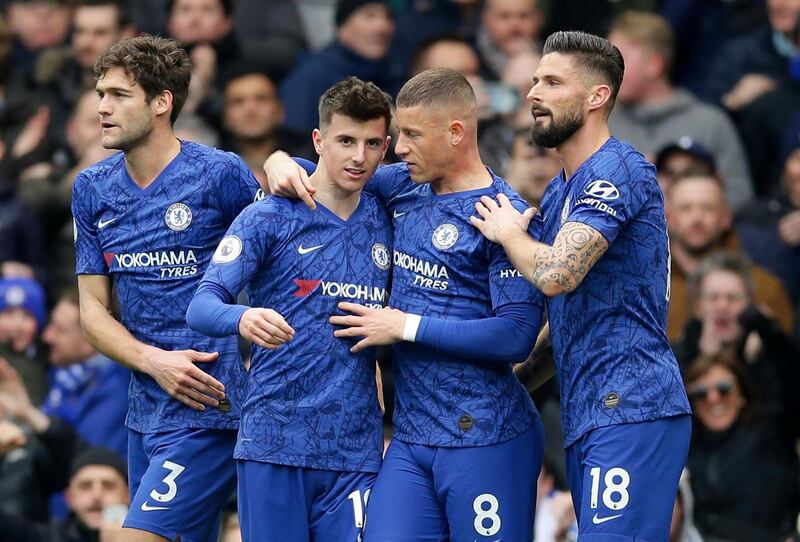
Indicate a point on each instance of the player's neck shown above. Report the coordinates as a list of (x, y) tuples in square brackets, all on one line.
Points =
[(340, 202), (465, 173), (584, 143), (146, 162)]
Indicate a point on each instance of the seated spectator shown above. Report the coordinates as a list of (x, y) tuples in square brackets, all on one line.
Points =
[(728, 323), (271, 32), (446, 51), (770, 229), (21, 250), (752, 78), (700, 223), (97, 497), (744, 482), (205, 28), (253, 117), (88, 391), (364, 31), (22, 317), (37, 25), (678, 158), (507, 28), (651, 113), (66, 74), (531, 169)]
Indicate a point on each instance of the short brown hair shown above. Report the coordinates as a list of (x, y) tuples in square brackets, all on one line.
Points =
[(594, 54), (648, 30), (360, 100), (156, 64), (752, 407), (435, 88), (731, 262)]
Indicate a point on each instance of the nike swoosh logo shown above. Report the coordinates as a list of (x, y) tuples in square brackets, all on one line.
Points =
[(395, 214), (302, 250), (597, 521), (147, 508), (103, 223)]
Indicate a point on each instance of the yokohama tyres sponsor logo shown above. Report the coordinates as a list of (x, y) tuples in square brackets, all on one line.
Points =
[(155, 259), (361, 292)]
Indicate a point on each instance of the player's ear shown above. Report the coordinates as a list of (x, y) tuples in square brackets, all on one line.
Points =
[(457, 130), (164, 100), (600, 94), (386, 146), (316, 137)]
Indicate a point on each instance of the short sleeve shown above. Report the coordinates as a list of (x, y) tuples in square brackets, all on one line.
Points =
[(238, 187), (242, 251), (607, 202), (89, 258)]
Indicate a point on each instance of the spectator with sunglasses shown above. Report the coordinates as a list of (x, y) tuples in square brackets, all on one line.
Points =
[(729, 322), (743, 479)]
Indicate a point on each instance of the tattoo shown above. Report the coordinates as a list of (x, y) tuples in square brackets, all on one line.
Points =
[(527, 372), (576, 249)]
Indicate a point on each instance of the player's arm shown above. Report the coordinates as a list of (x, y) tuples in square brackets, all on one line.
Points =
[(213, 311), (516, 323), (556, 269), (174, 371), (540, 365)]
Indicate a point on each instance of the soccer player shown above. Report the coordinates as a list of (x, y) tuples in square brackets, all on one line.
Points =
[(468, 442), (311, 436), (603, 264), (149, 218)]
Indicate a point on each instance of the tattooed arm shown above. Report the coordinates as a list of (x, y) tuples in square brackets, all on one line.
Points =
[(556, 269), (540, 365)]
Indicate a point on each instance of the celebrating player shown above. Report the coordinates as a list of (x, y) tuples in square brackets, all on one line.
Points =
[(150, 217), (603, 263), (468, 442), (311, 436)]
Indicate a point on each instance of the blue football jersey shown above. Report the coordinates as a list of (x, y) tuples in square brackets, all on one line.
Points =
[(613, 361), (311, 403), (445, 268), (155, 244)]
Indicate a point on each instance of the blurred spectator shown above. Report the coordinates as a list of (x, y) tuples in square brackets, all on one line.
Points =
[(253, 117), (744, 482), (205, 28), (555, 519), (682, 528), (36, 25), (770, 229), (270, 32), (651, 113), (364, 30), (702, 28), (231, 532), (422, 21), (97, 497), (700, 223), (507, 27), (508, 109), (23, 314), (446, 51), (753, 77), (88, 391), (67, 73), (317, 18), (21, 250), (677, 159), (727, 322), (531, 169)]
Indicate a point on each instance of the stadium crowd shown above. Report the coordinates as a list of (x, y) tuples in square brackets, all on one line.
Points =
[(711, 95)]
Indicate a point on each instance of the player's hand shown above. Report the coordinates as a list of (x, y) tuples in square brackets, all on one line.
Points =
[(176, 372), (500, 220), (376, 326), (265, 327), (789, 229), (286, 178)]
